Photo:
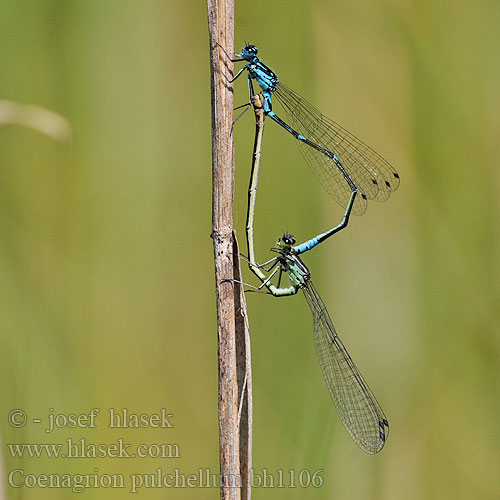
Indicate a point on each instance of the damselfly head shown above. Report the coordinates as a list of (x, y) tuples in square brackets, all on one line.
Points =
[(249, 52), (287, 241)]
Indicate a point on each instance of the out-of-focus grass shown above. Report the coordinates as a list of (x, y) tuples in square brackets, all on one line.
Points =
[(107, 295)]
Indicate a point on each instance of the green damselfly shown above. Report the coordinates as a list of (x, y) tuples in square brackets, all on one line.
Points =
[(355, 403)]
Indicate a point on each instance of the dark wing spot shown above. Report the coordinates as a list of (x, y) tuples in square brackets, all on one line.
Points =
[(388, 184), (375, 182), (381, 424), (396, 175), (363, 195)]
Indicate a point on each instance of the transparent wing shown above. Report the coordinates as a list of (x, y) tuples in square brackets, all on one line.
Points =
[(356, 405), (375, 178)]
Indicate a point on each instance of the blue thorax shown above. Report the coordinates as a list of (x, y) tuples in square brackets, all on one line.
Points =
[(265, 76)]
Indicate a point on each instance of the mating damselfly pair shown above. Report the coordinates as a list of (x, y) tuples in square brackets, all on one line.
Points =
[(352, 173)]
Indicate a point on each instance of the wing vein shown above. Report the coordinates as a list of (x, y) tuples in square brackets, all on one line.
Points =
[(355, 403)]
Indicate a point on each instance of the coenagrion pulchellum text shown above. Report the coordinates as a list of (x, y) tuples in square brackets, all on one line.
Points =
[(356, 405), (350, 171)]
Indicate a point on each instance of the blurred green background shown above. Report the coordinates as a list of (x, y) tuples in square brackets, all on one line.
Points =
[(106, 268)]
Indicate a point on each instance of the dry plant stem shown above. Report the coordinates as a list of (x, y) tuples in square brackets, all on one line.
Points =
[(244, 368), (41, 119), (221, 30)]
